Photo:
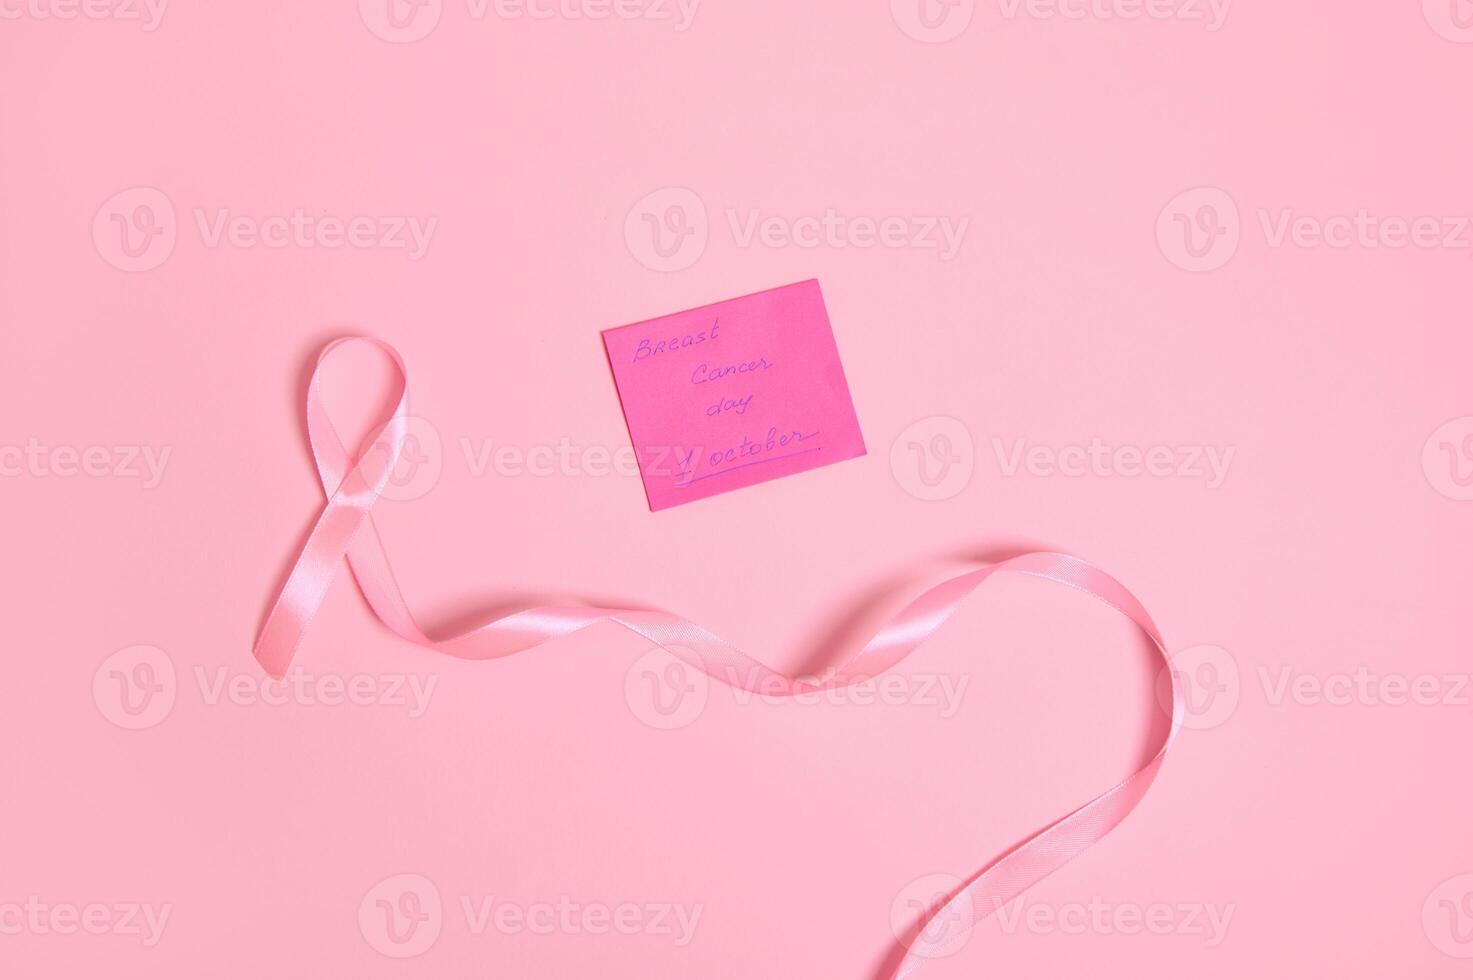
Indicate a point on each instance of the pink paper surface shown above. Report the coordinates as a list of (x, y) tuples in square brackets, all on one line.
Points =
[(155, 486), (735, 393)]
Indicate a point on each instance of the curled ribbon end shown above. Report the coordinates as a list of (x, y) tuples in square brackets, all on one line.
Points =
[(273, 654), (273, 665)]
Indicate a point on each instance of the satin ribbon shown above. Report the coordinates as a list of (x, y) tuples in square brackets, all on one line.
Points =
[(346, 527)]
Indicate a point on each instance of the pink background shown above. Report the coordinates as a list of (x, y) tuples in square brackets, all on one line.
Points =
[(1068, 313)]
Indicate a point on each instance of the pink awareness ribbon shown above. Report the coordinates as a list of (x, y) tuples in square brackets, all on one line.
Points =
[(346, 527)]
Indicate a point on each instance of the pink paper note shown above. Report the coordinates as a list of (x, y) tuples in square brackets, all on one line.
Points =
[(735, 393)]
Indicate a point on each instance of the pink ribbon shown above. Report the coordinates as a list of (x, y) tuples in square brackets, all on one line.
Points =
[(346, 527)]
